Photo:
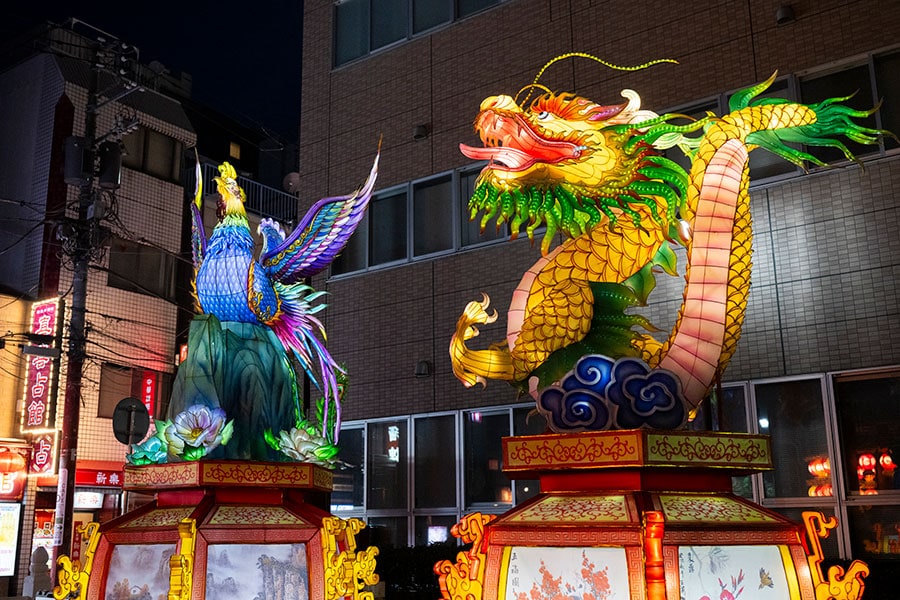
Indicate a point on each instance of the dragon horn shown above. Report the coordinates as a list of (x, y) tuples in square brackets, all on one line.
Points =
[(198, 185)]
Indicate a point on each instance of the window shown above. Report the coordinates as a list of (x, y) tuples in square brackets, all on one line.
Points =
[(415, 220), (869, 81), (417, 466), (868, 408), (234, 150), (792, 413), (348, 486), (363, 26), (815, 88), (434, 466), (151, 387), (470, 229), (887, 83), (485, 484), (141, 269), (153, 153), (433, 216), (387, 228), (386, 465)]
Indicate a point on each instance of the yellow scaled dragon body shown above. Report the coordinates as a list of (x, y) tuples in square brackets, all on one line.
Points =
[(598, 174)]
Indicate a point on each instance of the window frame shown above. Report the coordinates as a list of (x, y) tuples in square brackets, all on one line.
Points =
[(129, 276), (139, 161), (361, 249), (452, 9)]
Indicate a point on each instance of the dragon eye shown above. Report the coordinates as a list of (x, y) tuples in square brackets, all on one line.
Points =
[(544, 116)]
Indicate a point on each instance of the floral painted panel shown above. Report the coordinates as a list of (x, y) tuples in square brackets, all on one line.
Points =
[(257, 572), (565, 573), (732, 573), (138, 572)]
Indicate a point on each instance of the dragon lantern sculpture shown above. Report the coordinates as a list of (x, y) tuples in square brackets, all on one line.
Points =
[(597, 174)]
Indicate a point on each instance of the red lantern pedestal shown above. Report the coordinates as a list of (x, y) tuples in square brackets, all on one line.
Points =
[(639, 514), (224, 529)]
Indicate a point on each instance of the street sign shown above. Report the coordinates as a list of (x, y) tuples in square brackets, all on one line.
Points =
[(130, 421)]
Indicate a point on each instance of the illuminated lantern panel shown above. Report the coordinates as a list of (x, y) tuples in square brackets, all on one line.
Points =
[(220, 529), (641, 515)]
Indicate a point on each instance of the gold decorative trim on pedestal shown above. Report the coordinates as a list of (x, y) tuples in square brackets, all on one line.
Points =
[(838, 585), (464, 580), (347, 571), (636, 448), (225, 472), (73, 576), (181, 565)]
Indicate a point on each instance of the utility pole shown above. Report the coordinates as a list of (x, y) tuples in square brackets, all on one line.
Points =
[(84, 237), (68, 444)]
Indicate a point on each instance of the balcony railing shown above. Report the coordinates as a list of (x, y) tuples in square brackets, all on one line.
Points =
[(262, 200)]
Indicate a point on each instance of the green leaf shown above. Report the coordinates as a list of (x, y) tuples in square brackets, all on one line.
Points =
[(642, 283), (665, 258), (227, 431), (193, 452), (326, 452), (273, 442)]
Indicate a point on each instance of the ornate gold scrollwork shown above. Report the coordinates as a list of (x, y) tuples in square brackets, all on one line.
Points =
[(464, 580), (73, 576), (181, 565), (347, 571), (838, 585)]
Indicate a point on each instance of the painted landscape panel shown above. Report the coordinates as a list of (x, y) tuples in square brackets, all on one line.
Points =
[(139, 572), (257, 572)]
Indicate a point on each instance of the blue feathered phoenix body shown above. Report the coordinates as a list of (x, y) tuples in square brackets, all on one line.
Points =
[(232, 284)]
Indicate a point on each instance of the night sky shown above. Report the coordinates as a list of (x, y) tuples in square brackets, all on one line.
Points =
[(244, 57)]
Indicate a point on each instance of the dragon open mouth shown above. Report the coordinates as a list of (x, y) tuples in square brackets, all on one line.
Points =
[(511, 144)]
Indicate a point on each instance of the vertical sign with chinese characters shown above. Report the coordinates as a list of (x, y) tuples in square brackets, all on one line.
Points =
[(148, 391), (43, 453), (41, 371)]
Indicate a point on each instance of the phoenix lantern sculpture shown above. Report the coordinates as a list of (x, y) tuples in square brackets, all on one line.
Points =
[(237, 394), (598, 174)]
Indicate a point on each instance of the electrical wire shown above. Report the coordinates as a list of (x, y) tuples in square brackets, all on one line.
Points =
[(23, 238)]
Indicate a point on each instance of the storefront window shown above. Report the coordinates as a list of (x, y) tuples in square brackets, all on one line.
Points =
[(874, 531), (792, 414), (435, 462), (485, 483), (868, 408), (386, 532), (387, 464), (348, 486), (434, 529)]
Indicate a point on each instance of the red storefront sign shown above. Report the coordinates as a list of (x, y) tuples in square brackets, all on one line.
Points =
[(41, 371), (98, 478), (43, 454), (13, 470), (148, 391)]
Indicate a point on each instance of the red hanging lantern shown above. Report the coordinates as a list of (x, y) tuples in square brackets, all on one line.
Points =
[(11, 462), (887, 462), (867, 461)]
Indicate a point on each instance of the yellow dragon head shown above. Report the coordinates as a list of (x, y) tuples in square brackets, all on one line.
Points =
[(568, 162)]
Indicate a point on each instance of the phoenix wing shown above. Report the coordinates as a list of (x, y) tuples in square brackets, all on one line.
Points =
[(198, 232), (320, 236)]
